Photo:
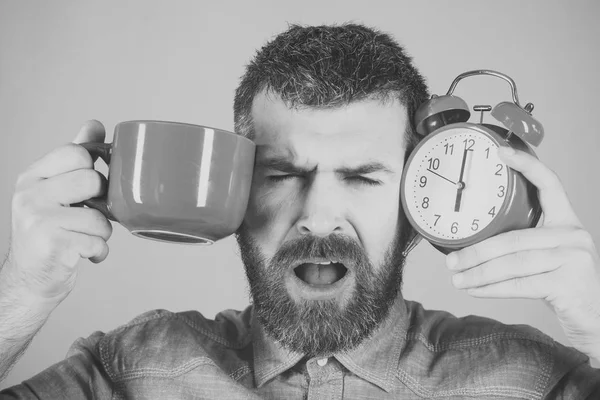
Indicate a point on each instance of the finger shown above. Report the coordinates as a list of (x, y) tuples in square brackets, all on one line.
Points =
[(75, 246), (553, 198), (64, 159), (88, 246), (82, 220), (71, 187), (91, 131), (515, 265), (516, 241), (528, 287), (102, 256)]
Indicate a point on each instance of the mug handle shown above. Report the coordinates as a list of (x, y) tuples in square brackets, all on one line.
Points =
[(104, 151)]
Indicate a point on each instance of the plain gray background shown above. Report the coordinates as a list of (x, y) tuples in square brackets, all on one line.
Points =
[(63, 62)]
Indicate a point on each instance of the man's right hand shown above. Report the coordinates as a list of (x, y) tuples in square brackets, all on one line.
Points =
[(48, 236)]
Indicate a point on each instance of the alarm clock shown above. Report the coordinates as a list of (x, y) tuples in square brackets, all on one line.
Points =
[(455, 190)]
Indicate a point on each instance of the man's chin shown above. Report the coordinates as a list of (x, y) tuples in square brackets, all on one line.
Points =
[(339, 291), (319, 321), (322, 320)]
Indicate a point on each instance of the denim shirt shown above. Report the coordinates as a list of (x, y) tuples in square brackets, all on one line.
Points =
[(414, 354)]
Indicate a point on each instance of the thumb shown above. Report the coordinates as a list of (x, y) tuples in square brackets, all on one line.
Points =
[(91, 131)]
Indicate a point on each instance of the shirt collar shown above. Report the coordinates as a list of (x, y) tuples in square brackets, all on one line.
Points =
[(375, 359), (270, 358)]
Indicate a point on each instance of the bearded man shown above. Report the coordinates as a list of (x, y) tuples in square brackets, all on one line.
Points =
[(323, 242)]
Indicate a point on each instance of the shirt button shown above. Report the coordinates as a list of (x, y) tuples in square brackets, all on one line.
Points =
[(322, 362)]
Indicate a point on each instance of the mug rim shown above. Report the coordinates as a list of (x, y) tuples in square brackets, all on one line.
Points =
[(151, 121)]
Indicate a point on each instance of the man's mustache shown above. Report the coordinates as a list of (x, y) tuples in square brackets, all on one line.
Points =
[(336, 247)]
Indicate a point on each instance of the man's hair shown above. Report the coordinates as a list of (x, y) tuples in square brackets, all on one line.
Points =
[(328, 67)]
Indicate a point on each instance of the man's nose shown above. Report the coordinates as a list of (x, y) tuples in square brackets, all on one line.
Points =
[(321, 211)]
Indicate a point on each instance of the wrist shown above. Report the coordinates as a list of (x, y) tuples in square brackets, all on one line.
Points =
[(22, 312), (21, 317), (22, 291)]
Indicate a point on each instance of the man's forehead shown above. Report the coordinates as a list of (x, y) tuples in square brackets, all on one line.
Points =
[(370, 128)]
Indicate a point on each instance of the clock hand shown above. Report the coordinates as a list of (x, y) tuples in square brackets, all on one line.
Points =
[(443, 177), (461, 184), (458, 199)]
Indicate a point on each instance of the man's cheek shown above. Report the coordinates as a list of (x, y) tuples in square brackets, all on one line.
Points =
[(378, 228), (267, 209)]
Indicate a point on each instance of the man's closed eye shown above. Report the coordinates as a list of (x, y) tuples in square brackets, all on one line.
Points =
[(350, 179)]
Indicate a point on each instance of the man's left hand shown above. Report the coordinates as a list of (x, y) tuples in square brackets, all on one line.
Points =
[(556, 261)]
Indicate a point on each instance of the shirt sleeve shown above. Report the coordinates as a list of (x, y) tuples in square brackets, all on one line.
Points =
[(573, 377), (79, 376)]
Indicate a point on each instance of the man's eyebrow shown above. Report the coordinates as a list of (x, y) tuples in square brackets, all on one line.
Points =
[(282, 164), (365, 169)]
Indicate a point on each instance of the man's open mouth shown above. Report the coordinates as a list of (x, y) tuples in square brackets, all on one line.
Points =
[(321, 273)]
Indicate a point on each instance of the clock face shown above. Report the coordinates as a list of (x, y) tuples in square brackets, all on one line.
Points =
[(455, 183)]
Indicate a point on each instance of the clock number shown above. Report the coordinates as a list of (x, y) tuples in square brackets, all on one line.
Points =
[(451, 147), (487, 153), (475, 225), (436, 219), (434, 163), (501, 193), (423, 181), (492, 212), (500, 167), (425, 203), (469, 143), (454, 227)]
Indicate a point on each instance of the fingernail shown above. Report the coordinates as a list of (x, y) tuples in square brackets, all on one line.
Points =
[(451, 260), (506, 151)]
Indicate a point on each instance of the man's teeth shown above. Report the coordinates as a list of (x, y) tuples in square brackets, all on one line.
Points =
[(320, 272)]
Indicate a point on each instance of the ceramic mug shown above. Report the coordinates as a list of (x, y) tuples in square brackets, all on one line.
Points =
[(175, 182)]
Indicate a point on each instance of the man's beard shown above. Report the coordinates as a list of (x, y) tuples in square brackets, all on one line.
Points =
[(322, 327)]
